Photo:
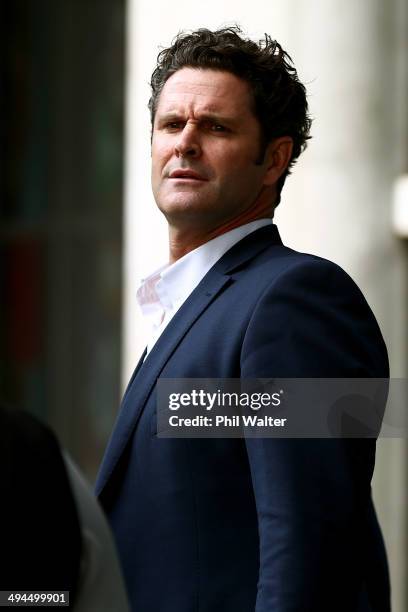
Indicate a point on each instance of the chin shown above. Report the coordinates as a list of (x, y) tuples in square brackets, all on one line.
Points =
[(183, 204)]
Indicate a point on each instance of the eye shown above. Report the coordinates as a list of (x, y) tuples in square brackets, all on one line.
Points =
[(217, 127), (173, 126)]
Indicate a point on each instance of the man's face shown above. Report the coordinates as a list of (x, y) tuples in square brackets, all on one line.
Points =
[(205, 145)]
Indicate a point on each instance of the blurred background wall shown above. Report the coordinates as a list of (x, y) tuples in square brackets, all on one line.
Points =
[(75, 162)]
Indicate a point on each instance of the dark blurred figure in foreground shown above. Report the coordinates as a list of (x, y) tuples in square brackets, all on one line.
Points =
[(53, 536), (41, 535)]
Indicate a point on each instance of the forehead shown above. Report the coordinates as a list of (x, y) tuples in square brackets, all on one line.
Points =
[(205, 90)]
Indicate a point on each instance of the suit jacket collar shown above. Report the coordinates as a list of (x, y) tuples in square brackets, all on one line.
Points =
[(248, 248), (147, 372)]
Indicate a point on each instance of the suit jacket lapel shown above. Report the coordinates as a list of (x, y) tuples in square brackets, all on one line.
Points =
[(147, 372), (246, 249)]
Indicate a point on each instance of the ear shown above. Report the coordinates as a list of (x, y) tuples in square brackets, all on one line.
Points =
[(277, 158)]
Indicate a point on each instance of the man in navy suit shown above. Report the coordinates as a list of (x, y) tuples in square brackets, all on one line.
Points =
[(240, 525)]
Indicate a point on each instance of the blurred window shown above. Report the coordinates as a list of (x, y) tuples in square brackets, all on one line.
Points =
[(62, 71)]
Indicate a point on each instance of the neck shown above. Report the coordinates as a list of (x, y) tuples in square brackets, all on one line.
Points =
[(185, 236), (182, 241)]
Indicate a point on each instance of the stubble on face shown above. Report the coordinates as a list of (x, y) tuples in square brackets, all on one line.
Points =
[(204, 125)]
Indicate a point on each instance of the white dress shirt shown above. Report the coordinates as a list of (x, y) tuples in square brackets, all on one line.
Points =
[(161, 294)]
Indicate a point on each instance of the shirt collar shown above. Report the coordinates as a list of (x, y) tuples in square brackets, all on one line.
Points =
[(170, 285)]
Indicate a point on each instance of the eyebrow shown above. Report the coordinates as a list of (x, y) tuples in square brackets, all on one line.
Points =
[(206, 116)]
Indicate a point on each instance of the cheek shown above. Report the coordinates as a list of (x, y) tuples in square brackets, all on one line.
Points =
[(160, 153), (156, 168), (156, 156), (236, 155), (235, 167)]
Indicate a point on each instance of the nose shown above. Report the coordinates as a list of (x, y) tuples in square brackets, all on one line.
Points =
[(187, 144)]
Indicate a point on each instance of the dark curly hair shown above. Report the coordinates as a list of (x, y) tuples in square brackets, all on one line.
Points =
[(279, 98)]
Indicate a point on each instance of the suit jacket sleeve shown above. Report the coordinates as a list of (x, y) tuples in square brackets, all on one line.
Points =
[(312, 495)]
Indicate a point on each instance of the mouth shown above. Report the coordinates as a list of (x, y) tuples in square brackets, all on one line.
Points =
[(186, 174)]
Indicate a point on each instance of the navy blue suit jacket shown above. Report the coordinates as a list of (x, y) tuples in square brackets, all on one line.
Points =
[(234, 525)]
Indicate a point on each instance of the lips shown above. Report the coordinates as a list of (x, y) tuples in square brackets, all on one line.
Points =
[(186, 173)]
